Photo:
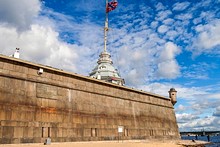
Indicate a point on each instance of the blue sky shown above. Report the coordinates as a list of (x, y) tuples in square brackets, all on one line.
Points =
[(155, 45)]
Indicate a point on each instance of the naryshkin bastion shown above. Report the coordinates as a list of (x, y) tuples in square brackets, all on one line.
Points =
[(38, 102)]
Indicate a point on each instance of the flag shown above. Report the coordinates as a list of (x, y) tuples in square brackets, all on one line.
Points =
[(111, 6)]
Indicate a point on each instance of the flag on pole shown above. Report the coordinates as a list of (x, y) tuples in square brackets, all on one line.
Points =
[(111, 6)]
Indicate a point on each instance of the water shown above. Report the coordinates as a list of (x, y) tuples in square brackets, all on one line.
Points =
[(213, 139)]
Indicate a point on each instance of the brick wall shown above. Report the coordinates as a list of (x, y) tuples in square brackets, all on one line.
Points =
[(68, 107)]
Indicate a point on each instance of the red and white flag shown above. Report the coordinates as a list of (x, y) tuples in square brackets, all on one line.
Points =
[(111, 6)]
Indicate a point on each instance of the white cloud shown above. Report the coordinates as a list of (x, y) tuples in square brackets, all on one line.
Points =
[(198, 110), (137, 55), (193, 94), (207, 16), (180, 108), (214, 96), (169, 52), (168, 21), (160, 7), (217, 112), (168, 69), (197, 124), (163, 29), (198, 71), (180, 6), (19, 14), (133, 66), (184, 17), (162, 15), (197, 20), (185, 117), (154, 24), (171, 35), (167, 65), (208, 38), (39, 41), (39, 44), (159, 88)]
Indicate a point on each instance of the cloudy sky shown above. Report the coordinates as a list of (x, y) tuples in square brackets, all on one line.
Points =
[(155, 44)]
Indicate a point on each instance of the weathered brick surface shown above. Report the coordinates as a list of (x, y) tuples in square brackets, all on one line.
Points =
[(68, 107)]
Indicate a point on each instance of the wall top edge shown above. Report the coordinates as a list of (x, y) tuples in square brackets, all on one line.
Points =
[(60, 71)]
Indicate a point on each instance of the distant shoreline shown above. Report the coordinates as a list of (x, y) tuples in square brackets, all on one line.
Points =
[(213, 139)]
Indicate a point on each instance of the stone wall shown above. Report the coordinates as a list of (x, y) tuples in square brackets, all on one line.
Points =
[(68, 107)]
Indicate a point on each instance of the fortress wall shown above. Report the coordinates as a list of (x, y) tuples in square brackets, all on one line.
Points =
[(69, 107)]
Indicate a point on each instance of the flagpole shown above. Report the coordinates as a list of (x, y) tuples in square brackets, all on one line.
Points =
[(106, 28)]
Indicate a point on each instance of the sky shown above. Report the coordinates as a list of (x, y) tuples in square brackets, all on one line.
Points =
[(155, 45)]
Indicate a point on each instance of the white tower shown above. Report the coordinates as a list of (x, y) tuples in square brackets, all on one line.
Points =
[(172, 95), (105, 70)]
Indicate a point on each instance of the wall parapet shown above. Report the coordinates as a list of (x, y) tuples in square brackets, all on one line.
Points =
[(70, 74)]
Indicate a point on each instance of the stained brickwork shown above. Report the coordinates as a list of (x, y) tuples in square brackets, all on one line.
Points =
[(69, 107)]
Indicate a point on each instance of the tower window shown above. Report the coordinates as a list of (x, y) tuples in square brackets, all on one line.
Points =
[(102, 67)]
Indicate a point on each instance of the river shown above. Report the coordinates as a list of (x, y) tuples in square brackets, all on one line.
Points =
[(215, 140)]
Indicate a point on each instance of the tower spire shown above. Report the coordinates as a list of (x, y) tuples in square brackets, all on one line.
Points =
[(106, 28), (105, 70)]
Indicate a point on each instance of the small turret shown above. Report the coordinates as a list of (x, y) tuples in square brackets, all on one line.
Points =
[(172, 95)]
